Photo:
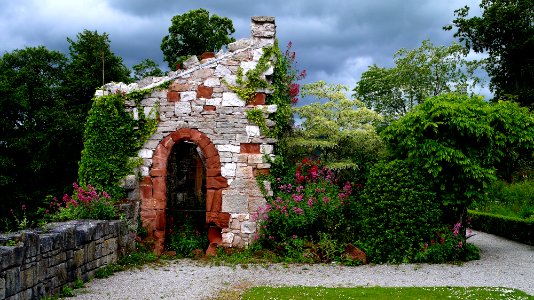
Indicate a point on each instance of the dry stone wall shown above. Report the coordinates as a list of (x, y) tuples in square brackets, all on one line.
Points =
[(199, 107), (34, 264)]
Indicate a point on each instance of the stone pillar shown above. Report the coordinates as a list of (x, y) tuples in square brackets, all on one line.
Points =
[(263, 31)]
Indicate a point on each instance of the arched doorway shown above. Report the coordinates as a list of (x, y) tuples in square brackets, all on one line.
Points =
[(186, 227), (153, 188)]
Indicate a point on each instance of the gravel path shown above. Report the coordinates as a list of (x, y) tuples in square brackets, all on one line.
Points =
[(503, 263)]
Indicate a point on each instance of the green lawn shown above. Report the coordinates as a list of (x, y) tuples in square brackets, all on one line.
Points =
[(427, 293)]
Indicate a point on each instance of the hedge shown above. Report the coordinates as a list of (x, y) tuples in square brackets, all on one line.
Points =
[(520, 230)]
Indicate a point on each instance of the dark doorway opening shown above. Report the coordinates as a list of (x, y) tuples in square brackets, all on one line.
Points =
[(186, 228)]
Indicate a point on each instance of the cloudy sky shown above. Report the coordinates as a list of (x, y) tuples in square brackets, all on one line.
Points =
[(335, 40)]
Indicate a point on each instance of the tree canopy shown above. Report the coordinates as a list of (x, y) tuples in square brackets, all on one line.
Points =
[(505, 30), (418, 74), (461, 142), (341, 130), (38, 153), (147, 67), (193, 33)]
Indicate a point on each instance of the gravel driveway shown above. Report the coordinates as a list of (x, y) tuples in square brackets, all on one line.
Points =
[(503, 263)]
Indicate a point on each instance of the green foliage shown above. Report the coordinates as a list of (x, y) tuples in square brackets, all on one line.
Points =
[(418, 74), (341, 131), (184, 239), (309, 215), (448, 245), (92, 65), (39, 148), (256, 116), (461, 141), (85, 203), (399, 212), (111, 137), (511, 200), (517, 229), (505, 32), (146, 68), (247, 86), (193, 33)]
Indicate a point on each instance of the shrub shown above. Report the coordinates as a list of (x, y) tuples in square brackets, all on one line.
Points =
[(512, 200), (85, 203), (185, 238), (511, 228), (307, 207), (448, 245), (399, 212)]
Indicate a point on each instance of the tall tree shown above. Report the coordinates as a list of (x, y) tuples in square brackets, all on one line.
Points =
[(147, 67), (418, 74), (505, 30), (92, 64), (37, 152), (340, 130), (193, 33)]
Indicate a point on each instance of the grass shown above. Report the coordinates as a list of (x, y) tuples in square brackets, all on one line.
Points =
[(427, 293), (511, 200)]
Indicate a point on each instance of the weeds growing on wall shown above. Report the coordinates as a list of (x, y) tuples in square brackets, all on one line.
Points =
[(112, 137)]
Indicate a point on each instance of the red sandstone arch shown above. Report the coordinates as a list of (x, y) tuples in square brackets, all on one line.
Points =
[(153, 187)]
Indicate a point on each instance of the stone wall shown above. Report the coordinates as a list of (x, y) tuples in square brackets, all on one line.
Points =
[(198, 107), (38, 263)]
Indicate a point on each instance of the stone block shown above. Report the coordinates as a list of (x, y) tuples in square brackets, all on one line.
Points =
[(248, 227), (239, 44), (203, 73), (228, 148), (191, 62), (188, 96), (182, 108), (228, 170), (222, 71), (232, 100), (212, 82), (255, 159), (227, 238), (12, 281), (253, 131), (234, 203), (2, 288), (28, 277)]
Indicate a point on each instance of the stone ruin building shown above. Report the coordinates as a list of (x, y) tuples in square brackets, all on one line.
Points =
[(203, 159)]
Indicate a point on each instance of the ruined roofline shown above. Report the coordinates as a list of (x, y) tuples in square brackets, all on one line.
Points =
[(263, 31)]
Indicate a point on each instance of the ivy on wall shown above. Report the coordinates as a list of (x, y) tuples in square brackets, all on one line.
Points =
[(112, 137)]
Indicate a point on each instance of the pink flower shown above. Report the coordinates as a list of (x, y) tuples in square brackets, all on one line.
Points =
[(298, 210)]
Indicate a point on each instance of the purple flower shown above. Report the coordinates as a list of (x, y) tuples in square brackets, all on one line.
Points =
[(298, 210)]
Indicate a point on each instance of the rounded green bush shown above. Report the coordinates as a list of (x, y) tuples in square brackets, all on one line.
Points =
[(399, 212)]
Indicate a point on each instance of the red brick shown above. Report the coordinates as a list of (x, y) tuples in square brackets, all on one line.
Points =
[(181, 134), (213, 200), (214, 235), (213, 171), (250, 148), (167, 142), (146, 191), (210, 151), (204, 92), (160, 220), (159, 162), (173, 96), (159, 189), (213, 161), (206, 55), (162, 151), (218, 182), (147, 180), (220, 219), (259, 99), (204, 142), (157, 172), (196, 136), (210, 108), (261, 172)]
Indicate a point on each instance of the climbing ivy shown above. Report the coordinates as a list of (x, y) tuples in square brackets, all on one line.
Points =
[(112, 136), (246, 86), (256, 116)]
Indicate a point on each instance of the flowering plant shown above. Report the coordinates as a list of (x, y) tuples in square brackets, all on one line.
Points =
[(85, 203), (449, 244), (308, 205)]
